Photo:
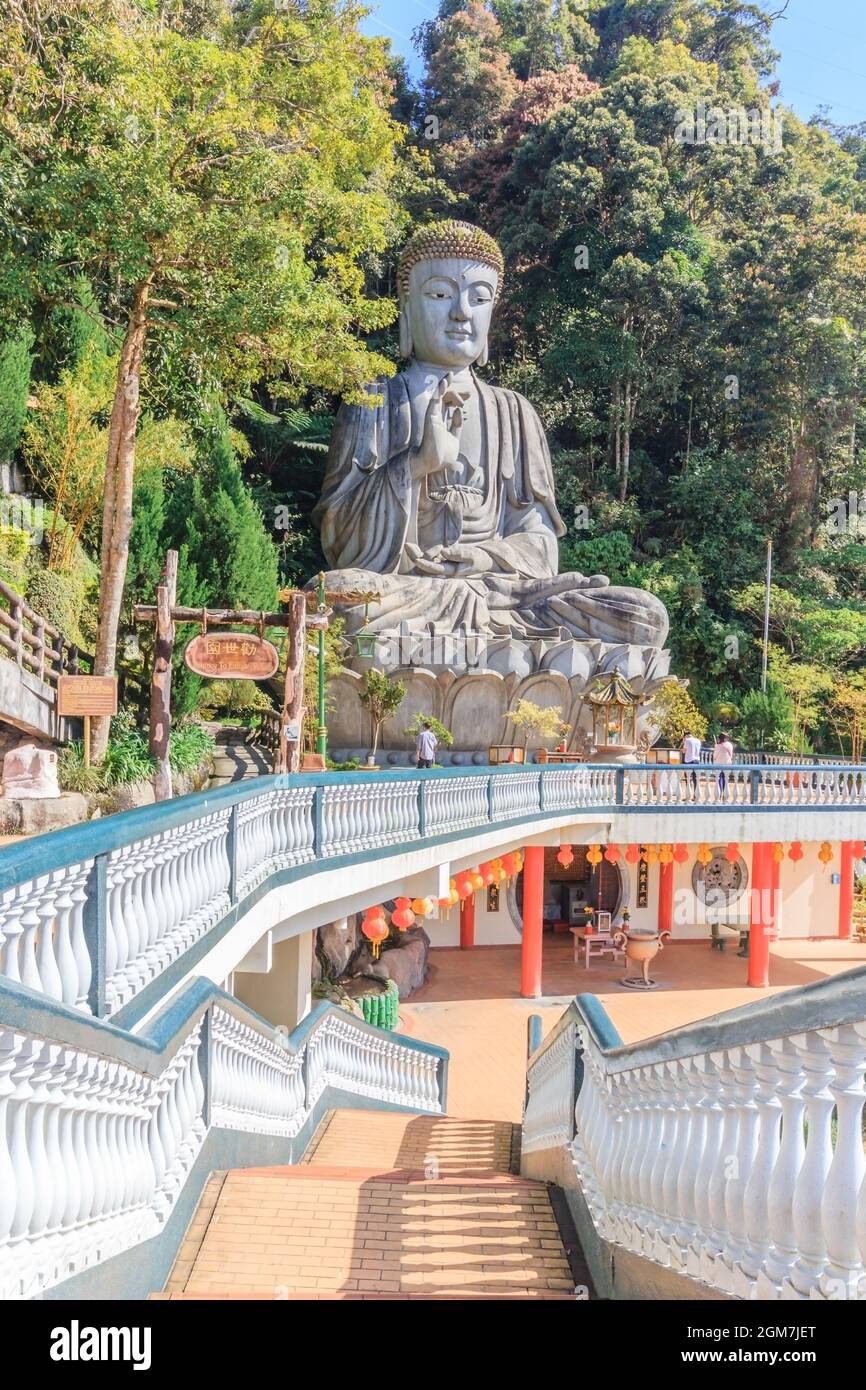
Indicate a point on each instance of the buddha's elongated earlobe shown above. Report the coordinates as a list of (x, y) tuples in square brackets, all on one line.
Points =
[(481, 359), (405, 333)]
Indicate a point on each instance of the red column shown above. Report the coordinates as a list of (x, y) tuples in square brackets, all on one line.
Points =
[(761, 922), (467, 922), (533, 921), (846, 890), (666, 897), (776, 901)]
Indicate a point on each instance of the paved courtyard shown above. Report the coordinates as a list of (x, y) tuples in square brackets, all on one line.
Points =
[(471, 1004)]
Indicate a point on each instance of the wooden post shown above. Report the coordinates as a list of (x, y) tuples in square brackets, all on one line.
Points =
[(289, 754), (160, 683), (86, 740)]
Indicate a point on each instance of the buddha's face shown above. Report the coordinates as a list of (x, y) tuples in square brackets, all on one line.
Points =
[(449, 306)]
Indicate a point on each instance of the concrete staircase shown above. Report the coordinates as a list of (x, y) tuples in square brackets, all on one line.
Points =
[(234, 759), (388, 1206)]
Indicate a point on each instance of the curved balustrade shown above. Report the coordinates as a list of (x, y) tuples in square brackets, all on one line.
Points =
[(99, 1129), (94, 914), (730, 1152)]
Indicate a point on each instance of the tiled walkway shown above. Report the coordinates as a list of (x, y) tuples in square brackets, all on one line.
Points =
[(471, 1004), (389, 1206)]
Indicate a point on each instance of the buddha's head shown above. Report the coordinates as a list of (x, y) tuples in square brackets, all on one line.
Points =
[(448, 280)]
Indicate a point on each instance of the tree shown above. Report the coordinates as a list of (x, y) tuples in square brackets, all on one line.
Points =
[(535, 721), (767, 719), (15, 361), (848, 713), (217, 180), (674, 713), (383, 698), (429, 721)]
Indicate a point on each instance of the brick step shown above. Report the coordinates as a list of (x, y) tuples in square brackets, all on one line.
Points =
[(316, 1295), (374, 1229), (435, 1144)]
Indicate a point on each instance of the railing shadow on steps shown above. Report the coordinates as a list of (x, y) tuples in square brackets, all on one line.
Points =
[(107, 1137), (728, 1153)]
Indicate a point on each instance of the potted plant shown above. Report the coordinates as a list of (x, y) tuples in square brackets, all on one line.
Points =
[(587, 918), (383, 698), (536, 721)]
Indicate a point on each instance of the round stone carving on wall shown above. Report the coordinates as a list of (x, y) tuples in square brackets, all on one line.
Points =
[(719, 884)]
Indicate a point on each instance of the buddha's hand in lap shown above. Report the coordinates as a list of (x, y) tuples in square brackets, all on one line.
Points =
[(450, 561)]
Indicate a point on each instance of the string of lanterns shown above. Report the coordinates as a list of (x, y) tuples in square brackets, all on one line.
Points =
[(406, 911)]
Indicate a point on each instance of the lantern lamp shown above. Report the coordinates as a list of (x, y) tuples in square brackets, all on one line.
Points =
[(825, 853), (476, 880), (565, 856), (593, 855), (681, 853), (704, 855), (402, 917), (732, 852), (795, 853), (778, 852), (632, 854), (666, 854), (858, 849), (612, 854)]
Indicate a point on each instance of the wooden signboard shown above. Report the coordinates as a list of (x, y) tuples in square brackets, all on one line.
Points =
[(231, 656), (79, 696)]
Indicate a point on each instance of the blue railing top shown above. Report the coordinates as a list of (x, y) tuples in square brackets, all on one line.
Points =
[(828, 1003), (148, 1050), (57, 849)]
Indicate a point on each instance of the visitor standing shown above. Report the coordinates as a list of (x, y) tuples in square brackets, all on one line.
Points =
[(691, 757), (426, 744), (723, 755)]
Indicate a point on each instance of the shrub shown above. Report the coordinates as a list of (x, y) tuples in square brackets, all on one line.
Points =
[(234, 698), (72, 775), (675, 714), (189, 746), (445, 736)]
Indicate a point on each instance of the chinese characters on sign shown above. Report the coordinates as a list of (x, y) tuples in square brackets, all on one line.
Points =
[(231, 656), (642, 883)]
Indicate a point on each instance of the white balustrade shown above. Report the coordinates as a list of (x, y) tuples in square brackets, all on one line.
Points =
[(742, 1168), (94, 1152), (456, 803), (515, 795), (371, 1063), (549, 1116)]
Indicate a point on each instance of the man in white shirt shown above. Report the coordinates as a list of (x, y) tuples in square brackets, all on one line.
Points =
[(692, 757), (426, 744)]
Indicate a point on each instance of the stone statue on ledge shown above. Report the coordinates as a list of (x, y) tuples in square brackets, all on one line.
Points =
[(439, 498)]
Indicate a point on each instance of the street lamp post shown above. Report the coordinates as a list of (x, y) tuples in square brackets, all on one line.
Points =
[(322, 731)]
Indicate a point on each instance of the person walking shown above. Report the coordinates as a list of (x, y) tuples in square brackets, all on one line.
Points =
[(426, 744), (691, 758), (723, 755)]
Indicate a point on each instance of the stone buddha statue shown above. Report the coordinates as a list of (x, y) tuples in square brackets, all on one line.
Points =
[(439, 495)]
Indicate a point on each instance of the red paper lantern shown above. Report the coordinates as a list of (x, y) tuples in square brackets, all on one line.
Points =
[(565, 856), (796, 851), (732, 853), (402, 917), (612, 854), (509, 863), (463, 884), (445, 904), (487, 873), (632, 854), (858, 849), (476, 880), (681, 853), (375, 928)]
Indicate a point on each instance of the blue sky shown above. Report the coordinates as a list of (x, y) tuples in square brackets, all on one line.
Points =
[(822, 43)]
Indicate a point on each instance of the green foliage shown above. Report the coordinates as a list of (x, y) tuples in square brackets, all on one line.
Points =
[(535, 721), (674, 713), (15, 362), (72, 775), (14, 550), (189, 747), (60, 599), (767, 720), (235, 699), (445, 736), (382, 698)]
